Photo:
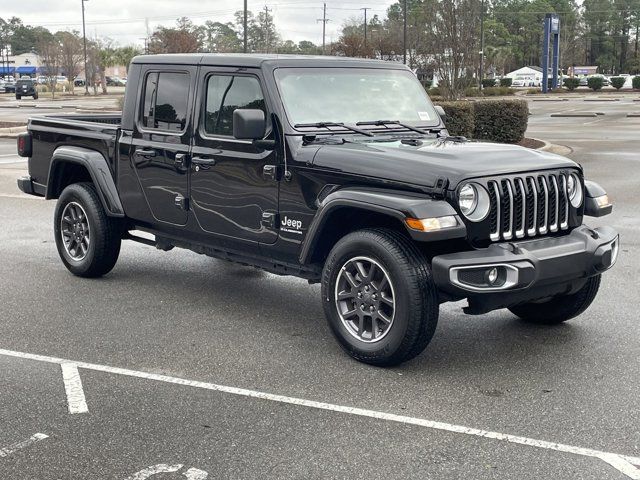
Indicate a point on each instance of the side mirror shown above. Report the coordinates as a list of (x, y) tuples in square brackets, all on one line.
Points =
[(249, 124), (441, 112)]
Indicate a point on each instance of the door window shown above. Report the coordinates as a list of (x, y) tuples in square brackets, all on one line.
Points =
[(165, 101), (225, 94)]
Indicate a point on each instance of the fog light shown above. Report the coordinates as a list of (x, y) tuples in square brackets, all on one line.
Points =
[(492, 276)]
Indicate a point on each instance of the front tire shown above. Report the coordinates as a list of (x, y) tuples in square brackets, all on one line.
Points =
[(88, 240), (561, 308), (379, 297)]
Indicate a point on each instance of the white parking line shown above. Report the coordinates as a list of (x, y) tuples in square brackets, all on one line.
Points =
[(6, 451), (73, 387), (622, 463)]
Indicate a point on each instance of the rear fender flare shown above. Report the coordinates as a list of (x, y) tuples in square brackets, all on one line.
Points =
[(396, 204), (98, 169)]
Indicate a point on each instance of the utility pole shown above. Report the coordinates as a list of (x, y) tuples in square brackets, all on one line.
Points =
[(266, 27), (244, 26), (404, 32), (481, 43), (365, 30), (84, 41), (324, 21), (146, 45)]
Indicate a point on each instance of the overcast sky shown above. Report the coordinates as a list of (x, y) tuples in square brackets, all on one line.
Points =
[(124, 20)]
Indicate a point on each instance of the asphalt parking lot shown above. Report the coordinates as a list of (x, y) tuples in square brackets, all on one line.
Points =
[(180, 366)]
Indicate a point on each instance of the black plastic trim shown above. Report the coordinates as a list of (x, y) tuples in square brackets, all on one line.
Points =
[(396, 204), (97, 167), (559, 264)]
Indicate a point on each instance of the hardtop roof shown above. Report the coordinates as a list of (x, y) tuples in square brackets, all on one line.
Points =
[(253, 60)]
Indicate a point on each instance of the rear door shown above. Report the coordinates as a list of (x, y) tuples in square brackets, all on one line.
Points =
[(161, 140), (234, 190)]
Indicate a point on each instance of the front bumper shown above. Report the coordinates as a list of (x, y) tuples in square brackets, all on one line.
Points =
[(527, 270)]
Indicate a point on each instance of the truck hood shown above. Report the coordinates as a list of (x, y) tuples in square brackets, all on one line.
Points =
[(423, 165)]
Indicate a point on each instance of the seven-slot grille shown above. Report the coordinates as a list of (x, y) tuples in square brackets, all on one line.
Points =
[(528, 206)]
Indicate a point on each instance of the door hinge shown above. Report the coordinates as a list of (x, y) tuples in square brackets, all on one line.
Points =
[(270, 172), (181, 202), (181, 161), (269, 220)]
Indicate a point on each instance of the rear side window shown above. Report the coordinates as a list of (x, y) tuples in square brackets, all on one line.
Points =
[(225, 94), (165, 101)]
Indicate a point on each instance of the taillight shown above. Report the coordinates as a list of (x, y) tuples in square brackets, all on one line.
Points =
[(24, 144)]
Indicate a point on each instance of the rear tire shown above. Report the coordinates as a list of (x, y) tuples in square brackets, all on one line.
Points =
[(559, 309), (35, 97), (387, 307), (18, 97), (88, 240)]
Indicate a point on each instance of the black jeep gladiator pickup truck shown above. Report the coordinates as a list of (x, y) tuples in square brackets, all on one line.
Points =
[(337, 170)]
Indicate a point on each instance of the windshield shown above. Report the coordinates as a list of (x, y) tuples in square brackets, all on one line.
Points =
[(351, 95)]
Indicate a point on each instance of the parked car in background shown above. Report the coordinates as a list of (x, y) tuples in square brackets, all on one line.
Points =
[(26, 87), (115, 82), (2, 83), (10, 85), (584, 81), (79, 81), (525, 81)]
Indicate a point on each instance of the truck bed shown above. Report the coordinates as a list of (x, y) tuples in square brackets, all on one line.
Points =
[(97, 132)]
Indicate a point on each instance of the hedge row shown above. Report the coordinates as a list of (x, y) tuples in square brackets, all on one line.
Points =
[(503, 121)]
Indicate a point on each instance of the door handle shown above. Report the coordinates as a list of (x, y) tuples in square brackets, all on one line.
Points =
[(203, 161), (144, 152)]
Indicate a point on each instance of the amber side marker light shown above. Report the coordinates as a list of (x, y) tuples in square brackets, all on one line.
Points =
[(431, 224), (603, 201)]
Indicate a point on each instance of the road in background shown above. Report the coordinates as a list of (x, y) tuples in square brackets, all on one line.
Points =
[(184, 315)]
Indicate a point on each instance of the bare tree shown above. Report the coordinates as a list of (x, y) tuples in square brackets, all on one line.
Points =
[(71, 55), (50, 57), (455, 40)]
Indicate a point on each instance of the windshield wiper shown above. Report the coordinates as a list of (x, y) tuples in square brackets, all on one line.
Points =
[(384, 123), (333, 124)]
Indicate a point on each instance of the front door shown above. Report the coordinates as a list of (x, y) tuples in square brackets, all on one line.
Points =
[(232, 193), (161, 142)]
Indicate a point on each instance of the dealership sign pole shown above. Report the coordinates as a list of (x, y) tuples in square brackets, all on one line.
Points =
[(551, 28)]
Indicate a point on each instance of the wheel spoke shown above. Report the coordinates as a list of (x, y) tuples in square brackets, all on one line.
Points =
[(350, 313), (374, 327), (383, 316), (383, 283), (361, 270), (372, 272), (387, 300), (360, 324), (354, 283), (67, 219), (344, 295)]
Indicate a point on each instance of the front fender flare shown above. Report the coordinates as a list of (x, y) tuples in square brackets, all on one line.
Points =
[(397, 204), (97, 166)]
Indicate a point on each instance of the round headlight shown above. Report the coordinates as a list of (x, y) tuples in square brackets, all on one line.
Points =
[(574, 191), (474, 202), (468, 199)]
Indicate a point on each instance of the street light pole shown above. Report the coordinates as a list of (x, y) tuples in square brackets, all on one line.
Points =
[(481, 43), (244, 27), (84, 40), (366, 53), (404, 33)]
